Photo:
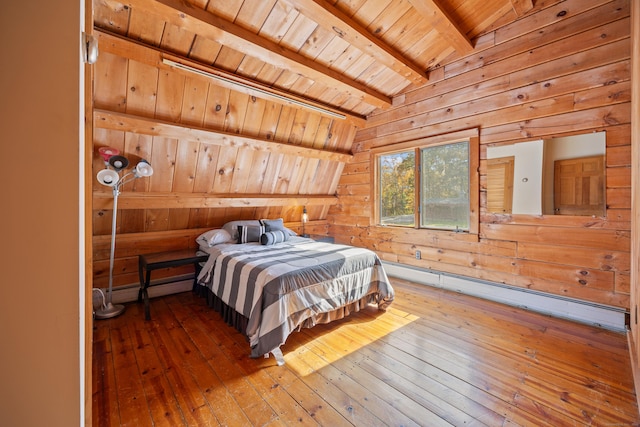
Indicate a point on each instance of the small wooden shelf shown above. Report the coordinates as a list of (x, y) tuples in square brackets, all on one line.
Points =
[(149, 262)]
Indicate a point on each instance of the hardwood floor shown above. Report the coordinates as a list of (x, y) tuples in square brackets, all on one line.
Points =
[(434, 358)]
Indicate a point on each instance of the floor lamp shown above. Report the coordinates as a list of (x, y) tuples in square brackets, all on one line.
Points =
[(110, 176)]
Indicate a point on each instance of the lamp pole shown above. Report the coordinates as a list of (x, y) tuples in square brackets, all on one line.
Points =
[(111, 310)]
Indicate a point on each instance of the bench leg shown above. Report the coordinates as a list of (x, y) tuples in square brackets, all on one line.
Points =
[(144, 293)]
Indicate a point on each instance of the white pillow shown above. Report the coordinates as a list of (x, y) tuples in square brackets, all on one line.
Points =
[(214, 237)]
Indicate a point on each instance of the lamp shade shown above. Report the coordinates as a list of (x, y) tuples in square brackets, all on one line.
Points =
[(108, 177), (118, 162), (108, 152), (143, 169)]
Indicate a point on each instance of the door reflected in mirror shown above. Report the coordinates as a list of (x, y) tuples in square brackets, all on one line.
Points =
[(557, 176)]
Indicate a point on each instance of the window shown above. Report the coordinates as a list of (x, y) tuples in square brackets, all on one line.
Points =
[(444, 186), (397, 188), (428, 184)]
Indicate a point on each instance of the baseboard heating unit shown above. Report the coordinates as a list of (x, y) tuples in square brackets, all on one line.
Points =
[(600, 315)]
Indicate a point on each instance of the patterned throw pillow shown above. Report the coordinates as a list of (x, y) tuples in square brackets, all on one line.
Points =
[(273, 237), (250, 233)]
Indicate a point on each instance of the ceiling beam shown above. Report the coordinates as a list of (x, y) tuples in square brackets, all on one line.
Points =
[(444, 24), (161, 200), (205, 24), (333, 19), (104, 119), (140, 52)]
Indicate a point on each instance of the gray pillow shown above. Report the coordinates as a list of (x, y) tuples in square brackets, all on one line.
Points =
[(273, 237), (273, 224)]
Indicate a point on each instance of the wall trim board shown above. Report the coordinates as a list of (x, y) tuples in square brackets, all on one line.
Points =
[(600, 315)]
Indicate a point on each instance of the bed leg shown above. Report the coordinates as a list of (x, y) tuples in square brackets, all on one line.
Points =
[(277, 353)]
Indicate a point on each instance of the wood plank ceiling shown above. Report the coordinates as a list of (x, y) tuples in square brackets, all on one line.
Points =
[(290, 81)]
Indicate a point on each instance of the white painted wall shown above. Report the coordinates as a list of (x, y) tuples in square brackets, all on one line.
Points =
[(527, 174)]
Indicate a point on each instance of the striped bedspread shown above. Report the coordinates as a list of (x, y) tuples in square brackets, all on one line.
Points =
[(278, 288)]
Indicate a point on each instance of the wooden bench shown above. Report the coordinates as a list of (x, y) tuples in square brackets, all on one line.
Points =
[(149, 262)]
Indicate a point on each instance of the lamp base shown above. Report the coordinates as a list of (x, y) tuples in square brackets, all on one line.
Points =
[(109, 311)]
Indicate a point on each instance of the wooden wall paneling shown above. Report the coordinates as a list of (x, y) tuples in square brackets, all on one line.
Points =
[(619, 135), (258, 172), (311, 130), (228, 59), (310, 176), (102, 219), (582, 25), (269, 121), (171, 90), (254, 116), (112, 15), (554, 80), (198, 217), (323, 135), (540, 100), (242, 170), (272, 173), (279, 20), (187, 156), (184, 180), (606, 260), (204, 50), (142, 84), (590, 238), (284, 175), (584, 121), (236, 112), (146, 30), (217, 217), (224, 167), (110, 88), (253, 16), (518, 70), (297, 173), (129, 245), (217, 103), (618, 155), (619, 198), (138, 147), (228, 9), (301, 117), (176, 39), (285, 123)]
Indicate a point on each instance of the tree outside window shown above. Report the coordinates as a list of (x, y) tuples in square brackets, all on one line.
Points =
[(443, 191), (397, 188)]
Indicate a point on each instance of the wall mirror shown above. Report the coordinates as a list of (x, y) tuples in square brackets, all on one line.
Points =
[(557, 176)]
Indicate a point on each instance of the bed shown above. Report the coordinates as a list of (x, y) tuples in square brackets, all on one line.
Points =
[(270, 287)]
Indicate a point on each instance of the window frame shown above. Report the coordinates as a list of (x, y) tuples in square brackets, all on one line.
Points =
[(470, 135)]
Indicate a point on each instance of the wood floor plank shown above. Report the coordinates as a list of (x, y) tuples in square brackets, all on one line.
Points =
[(558, 366), (104, 396), (191, 397), (134, 409), (163, 404), (433, 358), (203, 334)]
